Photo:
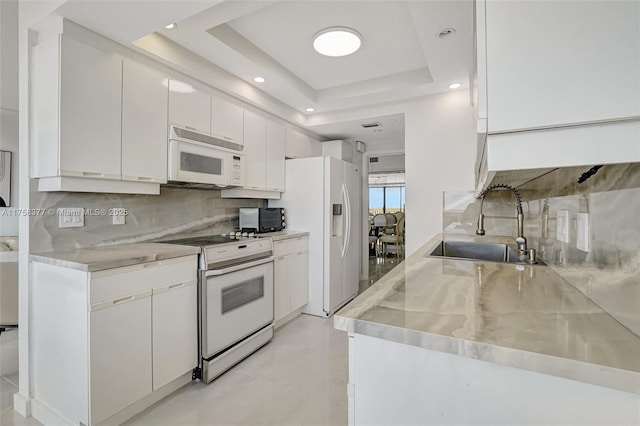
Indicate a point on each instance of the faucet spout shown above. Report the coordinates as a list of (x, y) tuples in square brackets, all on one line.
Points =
[(521, 241)]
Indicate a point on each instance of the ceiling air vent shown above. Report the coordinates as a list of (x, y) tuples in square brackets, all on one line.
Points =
[(371, 125)]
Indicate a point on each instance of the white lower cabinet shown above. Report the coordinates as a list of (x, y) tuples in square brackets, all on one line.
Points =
[(299, 279), (110, 343), (175, 337), (291, 278), (119, 354), (282, 288)]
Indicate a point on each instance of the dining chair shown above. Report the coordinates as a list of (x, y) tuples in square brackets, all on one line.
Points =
[(397, 239)]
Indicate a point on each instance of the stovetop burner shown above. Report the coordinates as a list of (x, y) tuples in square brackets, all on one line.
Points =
[(209, 240)]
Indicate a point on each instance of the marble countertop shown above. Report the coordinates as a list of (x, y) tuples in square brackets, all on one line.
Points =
[(100, 258), (283, 235), (520, 316)]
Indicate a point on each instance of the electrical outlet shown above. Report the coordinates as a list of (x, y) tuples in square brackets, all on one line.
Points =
[(562, 226), (582, 234), (70, 217), (118, 217)]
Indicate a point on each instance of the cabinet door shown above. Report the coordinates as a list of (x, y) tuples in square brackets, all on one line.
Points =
[(119, 353), (299, 280), (564, 84), (296, 144), (90, 111), (255, 130), (275, 169), (227, 120), (189, 108), (282, 287), (144, 124), (175, 337)]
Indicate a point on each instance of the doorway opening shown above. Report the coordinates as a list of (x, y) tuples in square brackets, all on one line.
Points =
[(386, 214)]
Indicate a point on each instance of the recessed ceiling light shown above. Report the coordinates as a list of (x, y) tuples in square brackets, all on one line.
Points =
[(454, 85), (337, 41), (310, 109), (259, 79), (171, 26)]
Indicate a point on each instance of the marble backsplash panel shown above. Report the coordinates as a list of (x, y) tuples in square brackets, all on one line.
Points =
[(609, 273), (176, 212)]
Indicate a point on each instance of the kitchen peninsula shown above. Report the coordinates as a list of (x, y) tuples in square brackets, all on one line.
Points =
[(443, 341)]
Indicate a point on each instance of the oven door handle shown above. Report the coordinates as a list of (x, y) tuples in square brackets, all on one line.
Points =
[(234, 268)]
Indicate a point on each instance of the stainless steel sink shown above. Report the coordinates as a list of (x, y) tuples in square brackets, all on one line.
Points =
[(492, 252)]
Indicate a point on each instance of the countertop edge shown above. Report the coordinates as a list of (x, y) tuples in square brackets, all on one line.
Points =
[(285, 235), (599, 375), (56, 260)]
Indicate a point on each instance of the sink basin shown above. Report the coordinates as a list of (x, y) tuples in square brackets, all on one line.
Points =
[(492, 252)]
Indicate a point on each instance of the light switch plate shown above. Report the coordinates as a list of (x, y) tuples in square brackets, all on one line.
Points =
[(70, 217), (562, 226), (582, 231)]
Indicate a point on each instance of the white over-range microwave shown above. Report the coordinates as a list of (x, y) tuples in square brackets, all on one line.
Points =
[(195, 158)]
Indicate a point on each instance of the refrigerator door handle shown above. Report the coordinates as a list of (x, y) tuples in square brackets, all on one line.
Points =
[(347, 231)]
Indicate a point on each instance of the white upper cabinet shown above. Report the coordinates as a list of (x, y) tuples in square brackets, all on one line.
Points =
[(93, 130), (227, 120), (264, 149), (299, 145), (144, 124), (77, 110), (255, 145), (545, 73), (189, 108), (275, 166), (552, 64)]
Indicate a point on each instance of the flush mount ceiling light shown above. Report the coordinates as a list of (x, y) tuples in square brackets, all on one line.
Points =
[(337, 41), (259, 79), (454, 85), (171, 26), (310, 109)]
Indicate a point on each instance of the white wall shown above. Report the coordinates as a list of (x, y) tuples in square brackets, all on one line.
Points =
[(439, 156), (9, 102), (387, 163)]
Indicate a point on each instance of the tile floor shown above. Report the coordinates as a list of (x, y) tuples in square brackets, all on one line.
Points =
[(300, 378), (9, 380), (378, 267)]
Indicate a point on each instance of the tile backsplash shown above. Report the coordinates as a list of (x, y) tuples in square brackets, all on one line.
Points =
[(609, 273), (176, 211)]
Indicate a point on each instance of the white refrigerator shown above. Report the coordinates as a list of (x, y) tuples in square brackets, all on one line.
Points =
[(323, 197)]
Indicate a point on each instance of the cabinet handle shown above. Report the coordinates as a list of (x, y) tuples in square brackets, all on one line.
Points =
[(124, 299), (152, 264), (144, 178), (280, 258), (92, 174), (300, 252), (171, 287), (227, 138), (190, 128)]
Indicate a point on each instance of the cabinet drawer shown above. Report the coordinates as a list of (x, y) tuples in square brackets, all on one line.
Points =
[(118, 282), (299, 245), (281, 248)]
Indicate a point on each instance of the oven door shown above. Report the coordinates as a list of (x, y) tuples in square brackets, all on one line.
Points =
[(237, 301)]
